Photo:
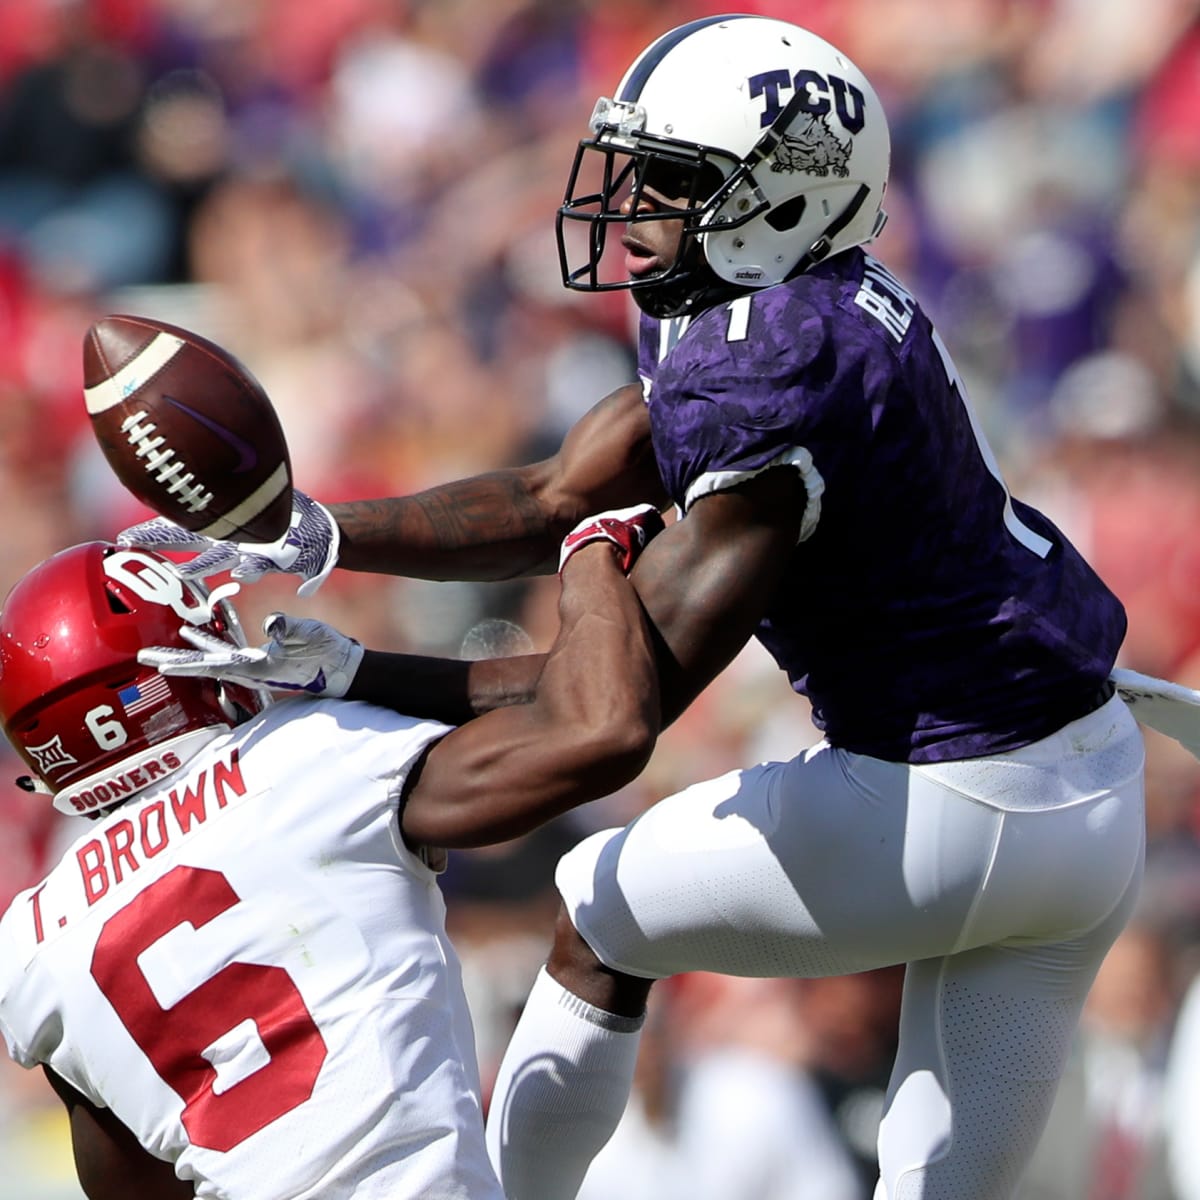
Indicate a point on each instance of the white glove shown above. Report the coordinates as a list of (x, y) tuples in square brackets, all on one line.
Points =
[(1169, 707), (308, 549), (629, 529), (303, 655)]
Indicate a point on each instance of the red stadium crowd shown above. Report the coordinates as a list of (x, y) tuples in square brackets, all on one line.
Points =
[(356, 197)]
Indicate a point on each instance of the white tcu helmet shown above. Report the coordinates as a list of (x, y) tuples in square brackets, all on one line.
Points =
[(769, 142)]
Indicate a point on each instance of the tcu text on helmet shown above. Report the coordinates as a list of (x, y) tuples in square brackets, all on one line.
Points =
[(823, 94), (156, 583)]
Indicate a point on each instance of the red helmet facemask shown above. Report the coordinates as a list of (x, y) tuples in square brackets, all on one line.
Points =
[(95, 726)]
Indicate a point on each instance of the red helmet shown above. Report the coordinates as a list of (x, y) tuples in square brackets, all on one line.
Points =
[(92, 723)]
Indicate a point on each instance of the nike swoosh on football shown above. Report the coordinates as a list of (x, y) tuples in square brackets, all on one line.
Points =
[(247, 454)]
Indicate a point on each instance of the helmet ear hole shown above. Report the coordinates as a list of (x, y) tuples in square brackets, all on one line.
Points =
[(787, 215), (116, 605)]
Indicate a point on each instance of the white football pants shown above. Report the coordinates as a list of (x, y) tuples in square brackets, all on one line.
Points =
[(1001, 882)]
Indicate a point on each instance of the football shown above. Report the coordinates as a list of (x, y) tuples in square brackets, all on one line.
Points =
[(187, 429)]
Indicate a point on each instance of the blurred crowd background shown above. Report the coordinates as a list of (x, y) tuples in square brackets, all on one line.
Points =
[(356, 197)]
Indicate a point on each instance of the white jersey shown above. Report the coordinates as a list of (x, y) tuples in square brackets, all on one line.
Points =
[(251, 970)]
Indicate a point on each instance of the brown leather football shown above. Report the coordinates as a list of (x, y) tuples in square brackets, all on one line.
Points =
[(187, 429)]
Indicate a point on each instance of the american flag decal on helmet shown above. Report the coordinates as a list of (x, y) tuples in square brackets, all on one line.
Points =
[(149, 693)]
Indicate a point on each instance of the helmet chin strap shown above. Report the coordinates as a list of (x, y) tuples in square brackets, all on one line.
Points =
[(819, 250)]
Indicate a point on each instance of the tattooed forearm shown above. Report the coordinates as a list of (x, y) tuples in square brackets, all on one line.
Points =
[(510, 522), (488, 527), (489, 508)]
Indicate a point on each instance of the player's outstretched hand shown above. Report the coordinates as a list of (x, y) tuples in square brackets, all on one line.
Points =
[(629, 529), (308, 549), (302, 655)]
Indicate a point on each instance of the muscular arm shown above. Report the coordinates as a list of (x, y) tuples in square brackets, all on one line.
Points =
[(706, 581), (588, 730), (110, 1162), (704, 584), (508, 523), (613, 677)]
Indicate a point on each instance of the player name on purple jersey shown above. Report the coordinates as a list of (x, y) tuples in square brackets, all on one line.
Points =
[(926, 613)]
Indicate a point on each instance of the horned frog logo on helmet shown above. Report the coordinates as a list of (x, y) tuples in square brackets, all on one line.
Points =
[(814, 147)]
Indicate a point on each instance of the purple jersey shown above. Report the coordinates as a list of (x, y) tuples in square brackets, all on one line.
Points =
[(926, 614)]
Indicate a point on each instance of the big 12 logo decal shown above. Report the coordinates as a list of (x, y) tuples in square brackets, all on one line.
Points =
[(811, 144)]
